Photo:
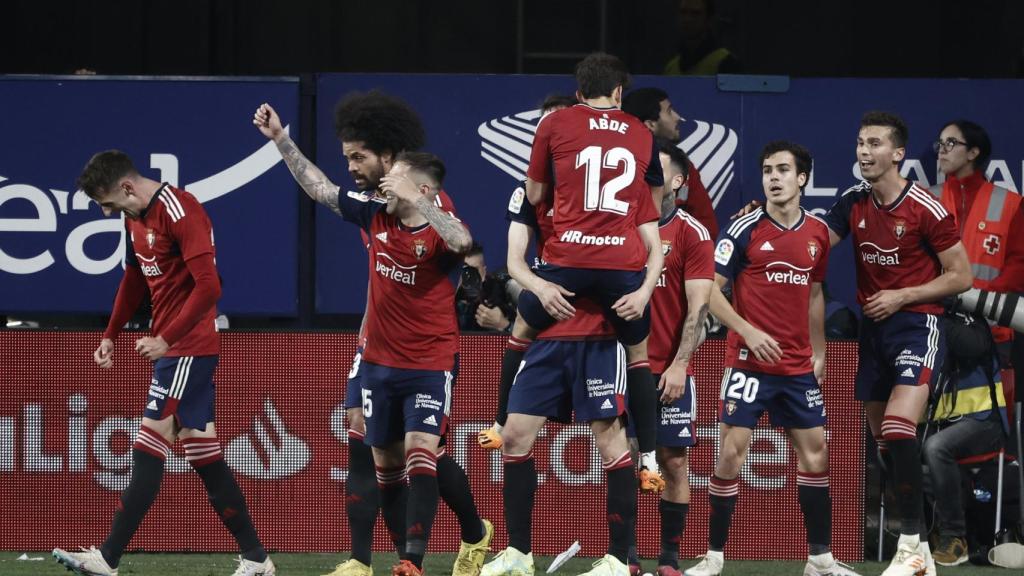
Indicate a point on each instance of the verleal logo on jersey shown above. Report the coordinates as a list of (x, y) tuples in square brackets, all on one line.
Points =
[(872, 253), (789, 274), (505, 142)]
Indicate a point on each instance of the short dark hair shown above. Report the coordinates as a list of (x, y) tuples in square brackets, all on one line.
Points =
[(103, 171), (898, 133), (425, 163), (599, 74), (557, 101), (976, 137), (802, 156), (475, 249), (380, 121), (644, 103), (676, 155)]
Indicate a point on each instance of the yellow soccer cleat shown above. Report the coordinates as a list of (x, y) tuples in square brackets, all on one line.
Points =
[(490, 439), (471, 556), (351, 567)]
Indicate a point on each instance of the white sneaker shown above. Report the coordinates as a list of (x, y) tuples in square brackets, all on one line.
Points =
[(826, 565), (250, 568), (929, 562), (87, 562), (607, 566), (909, 559), (509, 562), (710, 565), (1008, 555)]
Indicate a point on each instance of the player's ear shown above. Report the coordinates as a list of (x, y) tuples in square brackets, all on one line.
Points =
[(678, 181), (801, 179), (387, 158), (651, 124), (898, 154), (617, 94)]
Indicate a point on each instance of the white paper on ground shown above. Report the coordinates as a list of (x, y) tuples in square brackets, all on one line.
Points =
[(564, 557)]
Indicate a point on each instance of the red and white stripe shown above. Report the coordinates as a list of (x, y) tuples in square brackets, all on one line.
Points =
[(149, 441), (420, 462), (926, 199), (623, 461), (882, 444), (896, 428), (519, 344), (171, 203), (356, 434), (815, 479), (638, 364), (516, 458), (390, 476), (201, 451), (724, 488), (702, 232), (441, 452)]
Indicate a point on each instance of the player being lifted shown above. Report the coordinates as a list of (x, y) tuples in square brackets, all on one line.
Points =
[(375, 129), (170, 252), (909, 257), (776, 259), (602, 165), (678, 308)]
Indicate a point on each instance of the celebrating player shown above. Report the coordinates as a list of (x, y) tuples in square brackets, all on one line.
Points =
[(374, 128), (602, 165), (170, 252), (776, 259)]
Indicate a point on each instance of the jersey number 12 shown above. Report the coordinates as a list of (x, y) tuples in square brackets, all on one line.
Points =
[(602, 197)]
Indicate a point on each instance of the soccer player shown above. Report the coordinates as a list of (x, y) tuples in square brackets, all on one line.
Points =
[(678, 308), (654, 108), (373, 129), (602, 165), (575, 364), (909, 257), (170, 253), (776, 259)]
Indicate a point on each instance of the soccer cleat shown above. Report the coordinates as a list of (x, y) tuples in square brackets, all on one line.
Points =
[(710, 565), (509, 562), (86, 563), (668, 571), (635, 569), (406, 568), (250, 568), (351, 567), (471, 556), (607, 566), (490, 439), (909, 559), (951, 552), (826, 565)]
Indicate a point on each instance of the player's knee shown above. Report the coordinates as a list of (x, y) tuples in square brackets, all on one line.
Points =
[(674, 463), (356, 421), (816, 461), (522, 330), (516, 438)]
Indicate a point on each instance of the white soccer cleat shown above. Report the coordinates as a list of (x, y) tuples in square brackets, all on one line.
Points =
[(607, 566), (909, 560), (509, 562), (929, 561), (87, 562), (250, 568), (826, 565), (710, 565)]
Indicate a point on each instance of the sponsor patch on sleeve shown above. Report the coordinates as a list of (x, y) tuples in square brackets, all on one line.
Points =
[(723, 252), (515, 203)]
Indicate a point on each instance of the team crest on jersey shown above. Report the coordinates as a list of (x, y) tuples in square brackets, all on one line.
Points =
[(150, 237), (730, 407), (812, 249), (900, 229), (419, 248), (666, 247)]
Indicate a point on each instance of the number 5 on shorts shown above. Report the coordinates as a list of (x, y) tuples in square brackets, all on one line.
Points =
[(367, 403), (741, 387)]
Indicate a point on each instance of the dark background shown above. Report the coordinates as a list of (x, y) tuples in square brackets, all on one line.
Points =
[(884, 38)]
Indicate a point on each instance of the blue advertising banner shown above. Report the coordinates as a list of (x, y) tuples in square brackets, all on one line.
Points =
[(57, 251), (482, 127)]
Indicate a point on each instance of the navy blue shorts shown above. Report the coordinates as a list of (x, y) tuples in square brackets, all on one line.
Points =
[(353, 396), (560, 377), (791, 401), (396, 401), (183, 387), (907, 348), (676, 420), (603, 286)]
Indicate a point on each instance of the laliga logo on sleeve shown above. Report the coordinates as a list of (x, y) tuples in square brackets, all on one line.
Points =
[(267, 452), (505, 142)]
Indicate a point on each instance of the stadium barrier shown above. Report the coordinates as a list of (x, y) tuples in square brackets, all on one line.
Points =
[(66, 429)]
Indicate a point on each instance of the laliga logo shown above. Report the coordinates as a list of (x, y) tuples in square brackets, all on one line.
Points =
[(267, 452), (505, 142), (48, 205)]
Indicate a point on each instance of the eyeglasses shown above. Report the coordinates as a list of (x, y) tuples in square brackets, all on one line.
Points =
[(947, 145)]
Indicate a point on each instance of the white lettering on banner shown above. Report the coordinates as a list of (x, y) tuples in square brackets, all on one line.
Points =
[(268, 451), (577, 237)]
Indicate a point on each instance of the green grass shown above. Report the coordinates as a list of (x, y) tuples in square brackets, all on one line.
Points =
[(436, 565)]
